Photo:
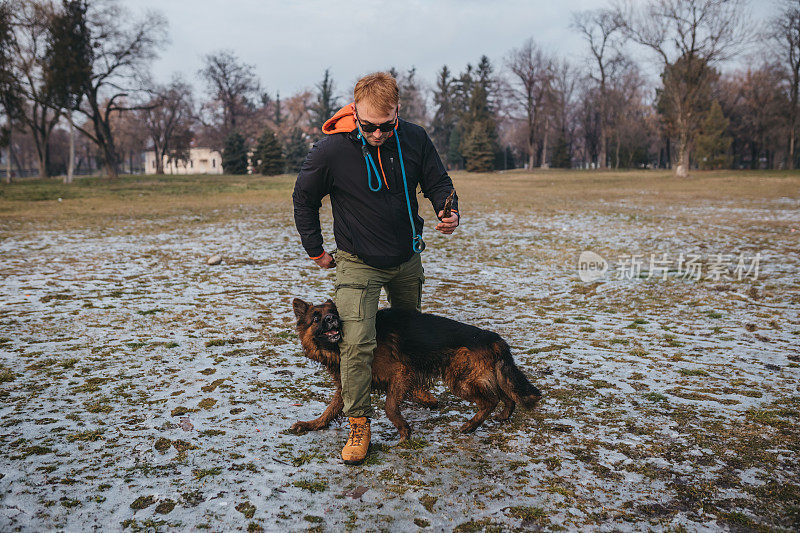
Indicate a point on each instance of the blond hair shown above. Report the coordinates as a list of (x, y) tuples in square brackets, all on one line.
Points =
[(379, 89)]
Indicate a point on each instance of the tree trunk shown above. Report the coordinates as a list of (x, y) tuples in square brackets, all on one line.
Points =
[(101, 123), (531, 141), (110, 164), (42, 156), (159, 155), (682, 166), (8, 153), (790, 162), (682, 163), (109, 154), (531, 155), (602, 157), (669, 153), (71, 163), (545, 141)]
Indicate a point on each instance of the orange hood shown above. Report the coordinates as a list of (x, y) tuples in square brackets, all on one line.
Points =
[(344, 121)]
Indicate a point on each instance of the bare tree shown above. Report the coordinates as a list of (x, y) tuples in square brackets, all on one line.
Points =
[(413, 106), (628, 114), (167, 119), (30, 38), (765, 107), (232, 86), (531, 75), (561, 104), (10, 90), (123, 47), (602, 30), (689, 37), (786, 35)]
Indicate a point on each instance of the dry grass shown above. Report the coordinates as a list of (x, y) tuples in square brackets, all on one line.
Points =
[(93, 200), (139, 383)]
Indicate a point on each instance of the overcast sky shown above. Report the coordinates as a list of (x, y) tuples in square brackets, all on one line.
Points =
[(291, 42)]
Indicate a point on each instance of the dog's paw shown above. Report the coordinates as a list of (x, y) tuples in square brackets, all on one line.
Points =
[(468, 428), (298, 428)]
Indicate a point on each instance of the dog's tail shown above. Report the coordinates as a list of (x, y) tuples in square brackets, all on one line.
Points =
[(511, 379)]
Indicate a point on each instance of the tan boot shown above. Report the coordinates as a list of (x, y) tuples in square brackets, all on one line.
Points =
[(355, 451)]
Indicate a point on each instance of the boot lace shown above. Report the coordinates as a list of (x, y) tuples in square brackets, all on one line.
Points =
[(357, 432)]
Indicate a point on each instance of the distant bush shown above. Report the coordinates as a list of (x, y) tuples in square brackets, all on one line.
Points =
[(268, 157), (234, 154)]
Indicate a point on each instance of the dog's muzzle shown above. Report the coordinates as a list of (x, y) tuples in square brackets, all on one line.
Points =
[(331, 328)]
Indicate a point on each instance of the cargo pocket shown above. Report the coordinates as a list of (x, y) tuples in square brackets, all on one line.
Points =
[(350, 300), (419, 292)]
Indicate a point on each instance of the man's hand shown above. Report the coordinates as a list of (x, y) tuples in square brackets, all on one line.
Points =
[(325, 261), (447, 225)]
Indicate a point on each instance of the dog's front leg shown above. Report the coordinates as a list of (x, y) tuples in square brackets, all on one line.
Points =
[(333, 410), (394, 398)]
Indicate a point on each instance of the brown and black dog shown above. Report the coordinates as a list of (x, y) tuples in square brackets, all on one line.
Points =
[(414, 349)]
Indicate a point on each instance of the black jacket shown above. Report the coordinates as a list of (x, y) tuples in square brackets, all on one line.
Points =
[(372, 225)]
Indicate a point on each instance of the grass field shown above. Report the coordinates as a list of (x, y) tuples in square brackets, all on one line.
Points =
[(141, 389)]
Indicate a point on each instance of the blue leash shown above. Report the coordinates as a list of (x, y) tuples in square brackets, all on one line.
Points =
[(417, 244), (370, 161)]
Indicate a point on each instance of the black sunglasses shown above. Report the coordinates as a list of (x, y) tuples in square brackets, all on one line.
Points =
[(370, 127)]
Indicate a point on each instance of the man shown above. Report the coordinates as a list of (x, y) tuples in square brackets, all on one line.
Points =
[(372, 210)]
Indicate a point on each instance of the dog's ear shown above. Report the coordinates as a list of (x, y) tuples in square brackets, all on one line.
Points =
[(300, 308)]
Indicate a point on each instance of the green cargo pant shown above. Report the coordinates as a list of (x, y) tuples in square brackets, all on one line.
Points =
[(358, 289)]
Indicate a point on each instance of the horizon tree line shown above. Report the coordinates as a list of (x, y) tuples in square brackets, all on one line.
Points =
[(75, 94)]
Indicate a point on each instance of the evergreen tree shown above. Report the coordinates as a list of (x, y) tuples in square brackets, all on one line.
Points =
[(461, 89), (713, 142), (561, 157), (68, 62), (278, 116), (483, 73), (266, 100), (296, 150), (480, 124), (478, 150), (267, 158), (234, 154), (484, 98), (11, 102), (455, 158), (444, 118), (326, 105)]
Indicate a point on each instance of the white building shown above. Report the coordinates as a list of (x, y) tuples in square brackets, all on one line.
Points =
[(201, 161)]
